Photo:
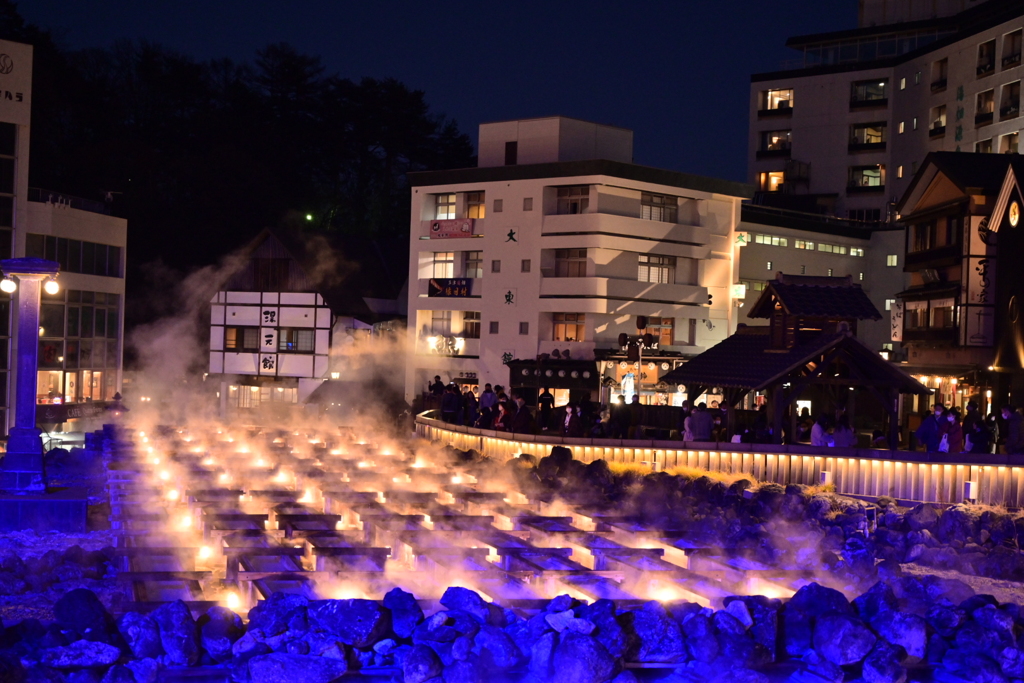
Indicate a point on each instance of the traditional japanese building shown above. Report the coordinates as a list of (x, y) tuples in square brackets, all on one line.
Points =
[(276, 320), (808, 356), (959, 318)]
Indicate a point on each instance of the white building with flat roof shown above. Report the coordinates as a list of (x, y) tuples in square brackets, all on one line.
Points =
[(557, 242), (843, 129), (82, 325)]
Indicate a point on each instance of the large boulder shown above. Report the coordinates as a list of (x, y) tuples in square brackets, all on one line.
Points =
[(883, 665), (609, 632), (921, 517), (468, 601), (496, 648), (79, 610), (659, 638), (764, 614), (815, 600), (842, 639), (406, 613), (280, 667), (359, 623), (582, 659), (279, 613), (541, 654), (81, 654), (141, 634), (421, 664), (219, 628), (909, 631), (701, 642), (178, 634)]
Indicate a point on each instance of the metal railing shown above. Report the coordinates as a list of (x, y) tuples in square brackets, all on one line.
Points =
[(903, 475), (38, 194)]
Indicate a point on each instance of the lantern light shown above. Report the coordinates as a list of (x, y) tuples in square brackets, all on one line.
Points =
[(8, 285), (50, 286)]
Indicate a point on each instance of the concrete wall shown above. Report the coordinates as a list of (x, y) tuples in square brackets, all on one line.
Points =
[(553, 139)]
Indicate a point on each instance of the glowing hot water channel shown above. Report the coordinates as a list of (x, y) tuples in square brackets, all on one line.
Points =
[(232, 516)]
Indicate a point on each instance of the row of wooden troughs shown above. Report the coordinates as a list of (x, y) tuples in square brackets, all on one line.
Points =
[(229, 518)]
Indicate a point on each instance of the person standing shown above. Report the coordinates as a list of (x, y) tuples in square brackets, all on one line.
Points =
[(970, 417), (437, 386), (953, 432), (470, 407), (545, 404), (929, 433), (701, 423), (522, 419), (1014, 435), (451, 402), (571, 426), (843, 435), (819, 432), (488, 400)]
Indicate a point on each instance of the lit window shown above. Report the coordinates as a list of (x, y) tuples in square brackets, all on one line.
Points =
[(867, 176), (902, 126), (769, 265), (441, 323), (242, 338), (856, 251), (771, 181), (860, 276), (658, 207), (915, 123), (445, 206), (891, 260), (830, 272), (662, 329), (568, 327), (804, 244), (889, 304), (942, 313), (296, 340), (659, 269), (773, 240), (475, 205), (471, 324), (899, 171), (473, 264), (868, 134), (772, 100), (444, 264), (903, 84)]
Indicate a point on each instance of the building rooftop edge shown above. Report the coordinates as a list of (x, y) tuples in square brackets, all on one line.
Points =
[(565, 169), (809, 222), (558, 116), (1007, 12)]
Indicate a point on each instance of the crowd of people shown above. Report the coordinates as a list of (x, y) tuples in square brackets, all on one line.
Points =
[(945, 430), (941, 430)]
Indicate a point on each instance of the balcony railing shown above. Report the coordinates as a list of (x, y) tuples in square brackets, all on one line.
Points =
[(865, 146), (939, 85), (857, 188), (983, 119), (37, 194), (777, 112), (1010, 112), (866, 104), (1011, 60), (781, 151), (986, 68), (937, 131)]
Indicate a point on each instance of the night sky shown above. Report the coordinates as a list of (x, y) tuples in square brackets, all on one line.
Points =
[(677, 73)]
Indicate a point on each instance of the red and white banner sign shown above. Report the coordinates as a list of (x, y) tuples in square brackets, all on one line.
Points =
[(452, 227)]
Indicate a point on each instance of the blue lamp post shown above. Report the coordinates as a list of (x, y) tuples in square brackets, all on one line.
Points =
[(21, 470)]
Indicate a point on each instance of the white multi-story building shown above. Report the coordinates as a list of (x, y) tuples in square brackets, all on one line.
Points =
[(557, 242), (794, 243), (81, 327), (843, 130)]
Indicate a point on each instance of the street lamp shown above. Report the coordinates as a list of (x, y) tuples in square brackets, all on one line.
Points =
[(22, 468)]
